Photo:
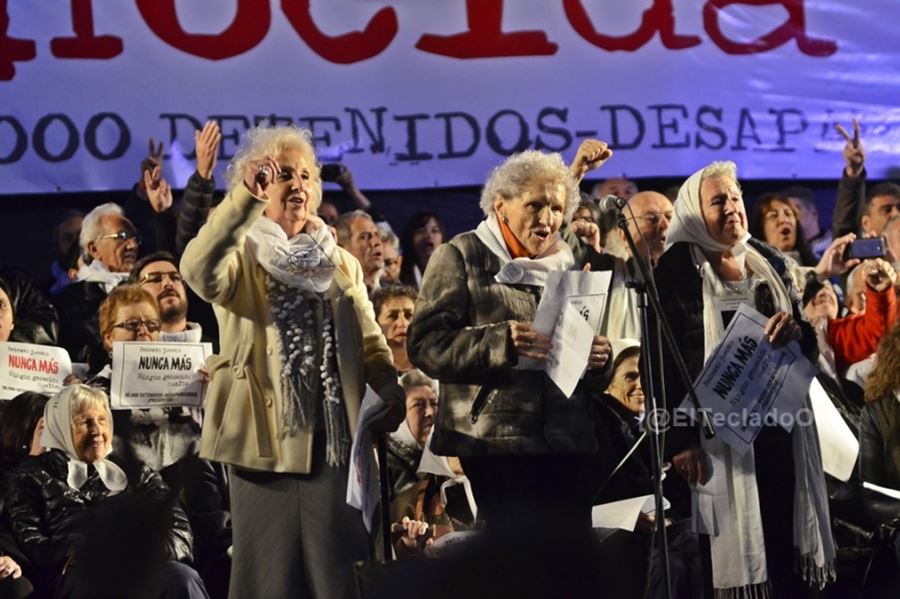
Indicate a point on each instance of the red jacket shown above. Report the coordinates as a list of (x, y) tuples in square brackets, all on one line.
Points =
[(855, 338)]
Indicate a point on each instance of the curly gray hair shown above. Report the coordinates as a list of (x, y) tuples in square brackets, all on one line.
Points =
[(512, 176), (261, 141)]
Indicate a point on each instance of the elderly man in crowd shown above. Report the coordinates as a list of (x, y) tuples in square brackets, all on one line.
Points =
[(617, 186), (393, 259), (158, 273), (358, 234), (109, 243), (649, 214)]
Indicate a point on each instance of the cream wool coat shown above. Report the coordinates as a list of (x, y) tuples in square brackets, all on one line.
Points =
[(243, 404)]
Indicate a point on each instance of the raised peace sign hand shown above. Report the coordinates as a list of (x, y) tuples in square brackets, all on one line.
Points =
[(854, 155)]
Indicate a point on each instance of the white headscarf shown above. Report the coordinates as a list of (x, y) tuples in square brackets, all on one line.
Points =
[(737, 512), (58, 435)]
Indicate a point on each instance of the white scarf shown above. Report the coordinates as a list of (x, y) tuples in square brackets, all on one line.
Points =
[(737, 515), (58, 435), (96, 272), (306, 261), (440, 465), (192, 334), (524, 271)]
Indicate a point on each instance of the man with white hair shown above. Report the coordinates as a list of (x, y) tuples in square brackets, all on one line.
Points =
[(109, 245), (358, 234)]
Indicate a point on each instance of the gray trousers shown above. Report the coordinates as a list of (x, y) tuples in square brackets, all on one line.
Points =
[(294, 535)]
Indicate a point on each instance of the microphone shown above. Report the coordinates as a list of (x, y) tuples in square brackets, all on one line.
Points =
[(611, 204)]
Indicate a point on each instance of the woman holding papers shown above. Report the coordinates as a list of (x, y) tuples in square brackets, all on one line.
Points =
[(530, 452), (768, 504), (299, 344)]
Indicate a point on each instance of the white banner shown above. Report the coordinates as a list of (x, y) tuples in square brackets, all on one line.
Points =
[(158, 375), (418, 93), (28, 367)]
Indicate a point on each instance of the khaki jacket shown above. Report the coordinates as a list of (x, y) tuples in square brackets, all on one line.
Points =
[(243, 404)]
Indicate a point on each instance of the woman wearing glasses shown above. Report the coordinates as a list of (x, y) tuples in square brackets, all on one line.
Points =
[(299, 342), (159, 437)]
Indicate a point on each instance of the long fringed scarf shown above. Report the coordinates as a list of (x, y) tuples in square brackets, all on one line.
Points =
[(296, 314)]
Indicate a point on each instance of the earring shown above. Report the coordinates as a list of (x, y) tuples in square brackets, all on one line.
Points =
[(505, 220)]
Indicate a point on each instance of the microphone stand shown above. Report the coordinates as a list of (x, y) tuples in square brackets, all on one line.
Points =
[(645, 288)]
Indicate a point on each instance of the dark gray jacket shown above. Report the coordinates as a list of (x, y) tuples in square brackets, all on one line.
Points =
[(460, 336)]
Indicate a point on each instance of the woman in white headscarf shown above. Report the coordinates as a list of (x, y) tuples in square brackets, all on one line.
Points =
[(710, 267), (56, 491)]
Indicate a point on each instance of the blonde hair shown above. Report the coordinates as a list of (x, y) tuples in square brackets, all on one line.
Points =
[(259, 142), (885, 378), (512, 176)]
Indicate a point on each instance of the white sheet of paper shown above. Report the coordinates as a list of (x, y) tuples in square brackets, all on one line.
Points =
[(158, 375), (586, 291), (892, 493), (29, 367), (363, 484), (840, 448), (624, 513), (746, 379), (571, 341)]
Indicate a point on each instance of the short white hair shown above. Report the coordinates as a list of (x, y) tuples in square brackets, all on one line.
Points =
[(512, 176), (91, 229), (720, 168)]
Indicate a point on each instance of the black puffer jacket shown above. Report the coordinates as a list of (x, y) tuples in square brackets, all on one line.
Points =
[(35, 318), (879, 457), (47, 514), (78, 305)]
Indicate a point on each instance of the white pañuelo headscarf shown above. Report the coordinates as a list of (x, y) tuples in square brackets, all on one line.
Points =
[(305, 261), (730, 498), (58, 420)]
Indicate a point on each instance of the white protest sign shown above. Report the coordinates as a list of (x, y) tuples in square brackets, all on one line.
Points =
[(571, 341), (587, 292), (746, 380), (29, 367), (158, 375)]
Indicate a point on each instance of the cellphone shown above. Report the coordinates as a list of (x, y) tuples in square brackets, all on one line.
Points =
[(865, 248), (330, 172)]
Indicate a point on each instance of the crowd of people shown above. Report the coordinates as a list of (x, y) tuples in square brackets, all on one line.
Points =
[(493, 470)]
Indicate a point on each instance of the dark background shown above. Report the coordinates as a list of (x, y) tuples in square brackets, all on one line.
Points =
[(28, 220)]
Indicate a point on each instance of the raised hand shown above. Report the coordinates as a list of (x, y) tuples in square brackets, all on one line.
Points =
[(259, 174), (879, 274), (854, 155), (832, 263), (591, 154), (159, 192), (206, 145)]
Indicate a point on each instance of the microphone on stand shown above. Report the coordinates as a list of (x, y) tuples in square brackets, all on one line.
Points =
[(611, 204)]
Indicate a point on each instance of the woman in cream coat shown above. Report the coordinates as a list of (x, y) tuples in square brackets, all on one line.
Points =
[(299, 343)]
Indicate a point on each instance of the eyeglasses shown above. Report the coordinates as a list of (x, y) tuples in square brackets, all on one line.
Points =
[(134, 325), (653, 218), (122, 237), (157, 277)]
